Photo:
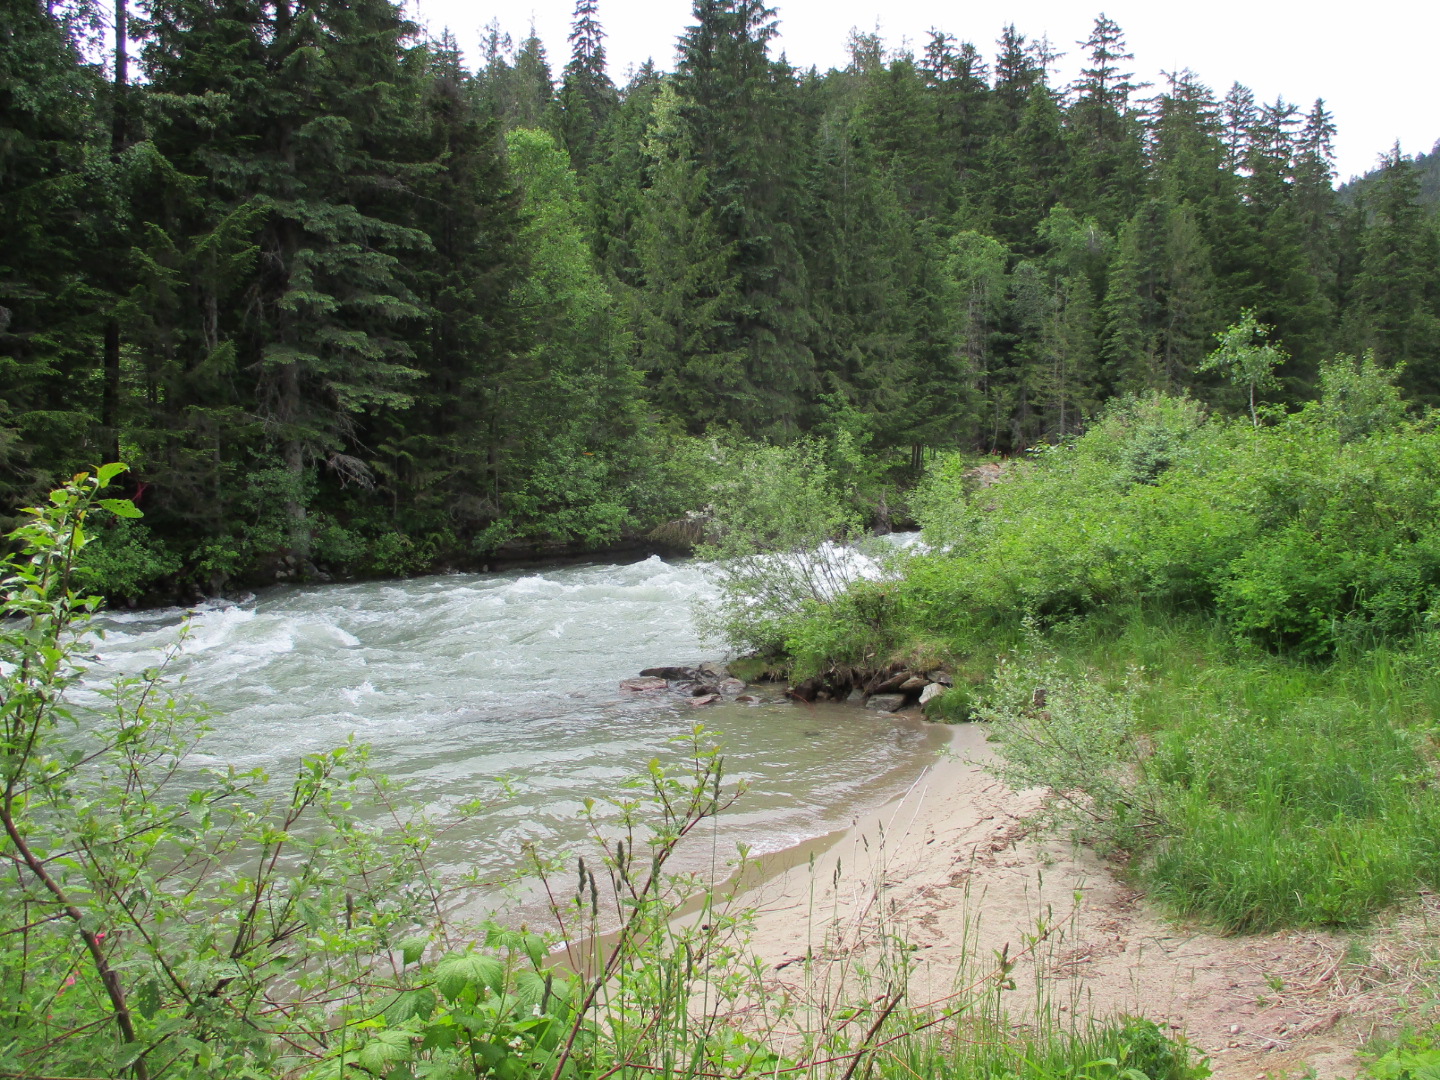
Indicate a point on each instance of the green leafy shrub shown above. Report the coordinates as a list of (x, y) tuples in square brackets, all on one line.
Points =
[(1416, 1058), (1359, 397), (159, 919), (125, 560), (398, 554), (338, 547), (1303, 540), (777, 526)]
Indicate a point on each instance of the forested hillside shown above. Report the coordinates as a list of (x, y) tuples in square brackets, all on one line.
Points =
[(341, 302), (1427, 172)]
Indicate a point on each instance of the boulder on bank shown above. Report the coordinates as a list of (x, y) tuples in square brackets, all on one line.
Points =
[(888, 683)]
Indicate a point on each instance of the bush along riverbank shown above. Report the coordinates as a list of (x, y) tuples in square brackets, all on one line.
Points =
[(1214, 641), (665, 504), (158, 919)]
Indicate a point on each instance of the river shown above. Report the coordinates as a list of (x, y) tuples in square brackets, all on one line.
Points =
[(456, 680)]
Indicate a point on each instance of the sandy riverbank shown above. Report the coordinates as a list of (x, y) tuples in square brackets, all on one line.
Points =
[(953, 868)]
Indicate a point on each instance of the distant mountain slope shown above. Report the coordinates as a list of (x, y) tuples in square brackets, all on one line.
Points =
[(1426, 165)]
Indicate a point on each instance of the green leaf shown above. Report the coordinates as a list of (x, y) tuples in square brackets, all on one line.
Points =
[(121, 508), (386, 1049), (455, 973), (106, 473), (411, 949), (410, 1003), (128, 1054)]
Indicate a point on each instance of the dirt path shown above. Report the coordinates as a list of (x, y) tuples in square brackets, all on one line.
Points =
[(953, 868)]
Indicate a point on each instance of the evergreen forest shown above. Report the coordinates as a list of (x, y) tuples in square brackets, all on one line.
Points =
[(346, 306)]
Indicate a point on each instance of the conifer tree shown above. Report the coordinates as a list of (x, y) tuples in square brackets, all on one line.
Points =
[(318, 143), (1315, 205), (587, 96), (439, 461), (1108, 160), (733, 121), (618, 178), (50, 135), (1394, 304), (1239, 116), (862, 260), (959, 82), (531, 97)]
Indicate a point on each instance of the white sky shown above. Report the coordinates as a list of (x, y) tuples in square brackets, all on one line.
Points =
[(1373, 62)]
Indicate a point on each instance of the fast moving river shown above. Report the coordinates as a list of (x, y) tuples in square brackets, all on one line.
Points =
[(454, 681)]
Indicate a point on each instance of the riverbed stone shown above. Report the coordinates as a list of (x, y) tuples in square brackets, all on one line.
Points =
[(707, 699), (886, 702), (731, 687), (644, 685)]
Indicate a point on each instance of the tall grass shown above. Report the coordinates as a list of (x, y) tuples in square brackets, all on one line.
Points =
[(1250, 790)]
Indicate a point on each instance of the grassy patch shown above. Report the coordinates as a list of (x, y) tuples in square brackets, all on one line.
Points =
[(1248, 790)]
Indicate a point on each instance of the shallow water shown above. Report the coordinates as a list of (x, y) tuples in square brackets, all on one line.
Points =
[(454, 681)]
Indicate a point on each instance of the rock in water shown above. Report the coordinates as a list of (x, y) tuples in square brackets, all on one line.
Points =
[(643, 685), (886, 702), (707, 699), (672, 674)]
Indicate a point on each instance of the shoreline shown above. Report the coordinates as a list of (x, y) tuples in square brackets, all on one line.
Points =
[(953, 867)]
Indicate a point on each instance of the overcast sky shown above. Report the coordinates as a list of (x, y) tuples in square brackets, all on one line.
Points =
[(1373, 62)]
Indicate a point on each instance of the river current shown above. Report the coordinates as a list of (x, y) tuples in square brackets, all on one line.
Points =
[(457, 680)]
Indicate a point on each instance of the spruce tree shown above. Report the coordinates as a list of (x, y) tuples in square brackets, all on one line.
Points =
[(1108, 160), (530, 100), (587, 96), (618, 177), (52, 153), (734, 169), (439, 461), (1394, 302), (1238, 118), (305, 110)]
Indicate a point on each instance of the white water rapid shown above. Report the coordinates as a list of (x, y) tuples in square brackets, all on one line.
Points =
[(454, 681)]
